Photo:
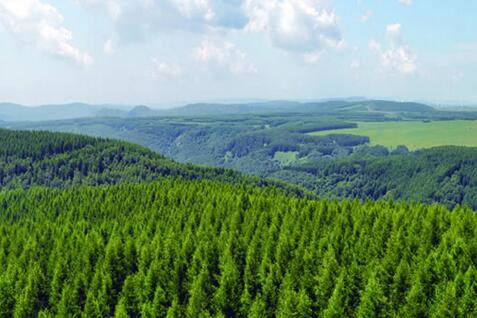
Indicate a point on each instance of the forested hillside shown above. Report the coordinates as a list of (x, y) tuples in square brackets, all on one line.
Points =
[(279, 147), (446, 175), (60, 160), (63, 160), (209, 249), (246, 143)]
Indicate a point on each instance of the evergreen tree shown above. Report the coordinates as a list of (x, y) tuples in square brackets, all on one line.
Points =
[(373, 301), (337, 303)]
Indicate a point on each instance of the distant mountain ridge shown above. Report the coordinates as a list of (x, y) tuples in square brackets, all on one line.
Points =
[(141, 111), (15, 112)]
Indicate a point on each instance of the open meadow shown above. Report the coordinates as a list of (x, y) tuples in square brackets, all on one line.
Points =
[(414, 134)]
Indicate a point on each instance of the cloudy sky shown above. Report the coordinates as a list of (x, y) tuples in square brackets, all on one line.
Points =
[(157, 51)]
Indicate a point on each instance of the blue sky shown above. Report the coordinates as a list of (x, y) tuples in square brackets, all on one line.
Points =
[(164, 51)]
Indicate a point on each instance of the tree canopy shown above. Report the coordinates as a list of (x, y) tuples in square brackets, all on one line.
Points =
[(178, 248)]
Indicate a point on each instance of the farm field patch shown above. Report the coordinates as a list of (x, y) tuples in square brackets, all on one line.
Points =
[(414, 134)]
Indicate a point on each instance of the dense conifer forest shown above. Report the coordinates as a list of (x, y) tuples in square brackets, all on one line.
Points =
[(238, 159), (116, 230), (209, 249), (444, 175), (64, 160), (278, 146), (60, 160)]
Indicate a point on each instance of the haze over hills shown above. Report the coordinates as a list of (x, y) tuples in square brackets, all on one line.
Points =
[(15, 112), (277, 140)]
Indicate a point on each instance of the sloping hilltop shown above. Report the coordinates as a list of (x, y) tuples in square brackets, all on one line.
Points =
[(444, 175), (60, 160), (64, 160), (332, 163), (209, 246)]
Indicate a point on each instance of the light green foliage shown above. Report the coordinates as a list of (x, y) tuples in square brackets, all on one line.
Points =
[(286, 158), (414, 134), (211, 249)]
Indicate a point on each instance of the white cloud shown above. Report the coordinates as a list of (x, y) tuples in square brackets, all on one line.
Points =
[(40, 24), (405, 2), (224, 55), (394, 32), (398, 58), (164, 69), (302, 26), (137, 19), (401, 60), (113, 7), (312, 57), (109, 47), (294, 25)]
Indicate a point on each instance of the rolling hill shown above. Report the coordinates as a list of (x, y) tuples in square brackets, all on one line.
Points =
[(444, 175), (389, 106), (16, 113), (331, 106), (98, 228), (29, 159), (277, 146)]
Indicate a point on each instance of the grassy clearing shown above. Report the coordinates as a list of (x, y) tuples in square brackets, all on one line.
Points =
[(286, 158), (414, 134)]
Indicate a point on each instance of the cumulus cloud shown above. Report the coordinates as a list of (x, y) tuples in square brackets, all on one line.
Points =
[(113, 7), (164, 69), (397, 58), (401, 60), (225, 55), (137, 19), (394, 32), (303, 26), (295, 25), (312, 57), (40, 24)]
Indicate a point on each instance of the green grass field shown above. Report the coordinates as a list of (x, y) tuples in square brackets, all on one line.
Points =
[(414, 134), (286, 158)]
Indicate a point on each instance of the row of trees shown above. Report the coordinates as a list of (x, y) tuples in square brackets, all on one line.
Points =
[(210, 249)]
